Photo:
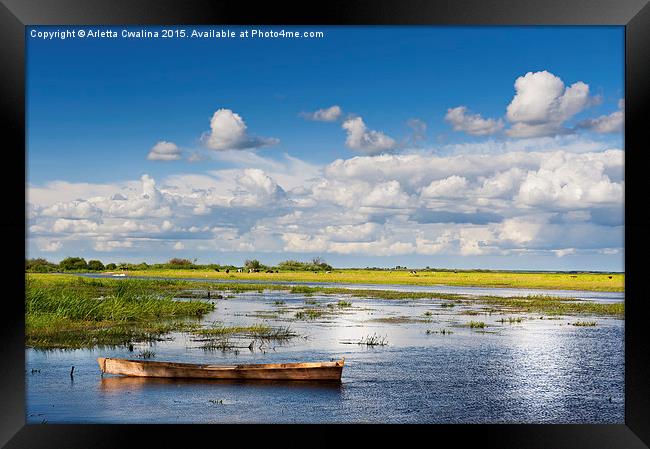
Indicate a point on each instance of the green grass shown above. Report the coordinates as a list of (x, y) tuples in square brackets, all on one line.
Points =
[(74, 312), (309, 314), (259, 331), (555, 280), (548, 305), (476, 324)]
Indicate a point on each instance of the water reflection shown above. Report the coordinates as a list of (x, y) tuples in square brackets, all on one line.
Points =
[(110, 384)]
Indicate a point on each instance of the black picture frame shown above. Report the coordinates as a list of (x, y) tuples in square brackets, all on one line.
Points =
[(633, 14)]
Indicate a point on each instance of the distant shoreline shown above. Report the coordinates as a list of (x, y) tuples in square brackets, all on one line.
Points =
[(607, 282)]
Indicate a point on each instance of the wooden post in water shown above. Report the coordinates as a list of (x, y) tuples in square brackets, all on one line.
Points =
[(71, 373)]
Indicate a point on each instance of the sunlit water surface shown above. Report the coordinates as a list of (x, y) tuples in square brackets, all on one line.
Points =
[(540, 370)]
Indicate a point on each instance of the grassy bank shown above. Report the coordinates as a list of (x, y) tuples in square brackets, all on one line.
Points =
[(73, 312), (614, 282)]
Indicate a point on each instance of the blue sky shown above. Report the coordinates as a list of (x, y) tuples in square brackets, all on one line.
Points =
[(96, 108)]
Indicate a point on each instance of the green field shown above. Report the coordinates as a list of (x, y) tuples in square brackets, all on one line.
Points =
[(609, 282)]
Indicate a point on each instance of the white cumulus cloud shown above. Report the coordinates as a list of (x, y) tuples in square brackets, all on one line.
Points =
[(330, 114), (612, 123), (542, 104), (164, 151), (474, 124), (364, 140), (229, 132)]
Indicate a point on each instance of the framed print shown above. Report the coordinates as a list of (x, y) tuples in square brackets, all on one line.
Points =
[(398, 214)]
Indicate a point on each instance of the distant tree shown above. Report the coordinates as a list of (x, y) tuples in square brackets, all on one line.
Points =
[(73, 263), (95, 265), (177, 261), (253, 264), (316, 264), (111, 266), (39, 265)]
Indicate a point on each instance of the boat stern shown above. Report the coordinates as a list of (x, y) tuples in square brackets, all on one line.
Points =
[(102, 364)]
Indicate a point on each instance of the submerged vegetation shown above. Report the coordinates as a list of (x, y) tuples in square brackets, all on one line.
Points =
[(259, 331), (373, 340), (584, 323), (476, 324)]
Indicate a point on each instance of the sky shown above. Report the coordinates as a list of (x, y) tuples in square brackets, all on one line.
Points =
[(454, 147)]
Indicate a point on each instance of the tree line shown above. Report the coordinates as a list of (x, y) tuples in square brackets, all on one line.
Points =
[(72, 264)]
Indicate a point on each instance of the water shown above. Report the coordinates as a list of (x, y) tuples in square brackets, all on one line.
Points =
[(606, 297), (537, 371)]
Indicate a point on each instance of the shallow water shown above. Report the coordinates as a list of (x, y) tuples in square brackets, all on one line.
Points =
[(587, 295), (540, 370)]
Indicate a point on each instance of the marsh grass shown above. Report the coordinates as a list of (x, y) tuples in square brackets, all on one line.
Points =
[(548, 305), (71, 311), (584, 323), (258, 331), (441, 331), (74, 312), (510, 320), (220, 344), (476, 325), (373, 340), (309, 314), (146, 354)]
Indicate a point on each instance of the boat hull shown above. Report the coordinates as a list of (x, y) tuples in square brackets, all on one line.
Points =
[(322, 371)]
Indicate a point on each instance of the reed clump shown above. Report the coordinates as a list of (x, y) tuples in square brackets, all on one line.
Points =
[(476, 325), (584, 323), (77, 312)]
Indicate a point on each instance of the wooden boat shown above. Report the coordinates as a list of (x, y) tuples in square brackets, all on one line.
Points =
[(330, 371)]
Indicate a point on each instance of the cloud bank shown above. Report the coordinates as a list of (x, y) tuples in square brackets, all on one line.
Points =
[(515, 202)]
